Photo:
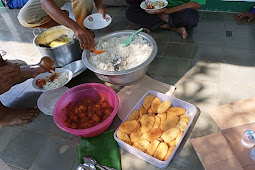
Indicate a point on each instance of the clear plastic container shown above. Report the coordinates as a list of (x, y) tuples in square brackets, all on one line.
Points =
[(248, 139), (190, 112)]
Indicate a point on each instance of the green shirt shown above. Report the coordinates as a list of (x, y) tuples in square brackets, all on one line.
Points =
[(174, 3)]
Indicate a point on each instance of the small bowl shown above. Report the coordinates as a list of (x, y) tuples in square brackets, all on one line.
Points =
[(96, 21), (75, 95), (143, 6), (46, 74)]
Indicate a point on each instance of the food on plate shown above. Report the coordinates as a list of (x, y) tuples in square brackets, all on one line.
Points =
[(154, 5), (156, 134), (53, 81), (129, 126), (161, 151), (147, 123), (62, 40), (47, 64), (134, 115), (178, 111), (136, 53), (87, 113), (147, 101), (162, 108)]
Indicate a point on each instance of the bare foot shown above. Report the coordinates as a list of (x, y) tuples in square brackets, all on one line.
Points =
[(182, 31), (9, 116), (147, 30)]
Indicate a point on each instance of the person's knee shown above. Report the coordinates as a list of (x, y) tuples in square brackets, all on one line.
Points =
[(131, 12), (192, 17)]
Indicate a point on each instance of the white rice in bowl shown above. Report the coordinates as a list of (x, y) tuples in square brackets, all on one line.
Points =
[(61, 79), (136, 53)]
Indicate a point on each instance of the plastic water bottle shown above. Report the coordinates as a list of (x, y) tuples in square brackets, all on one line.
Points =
[(248, 139)]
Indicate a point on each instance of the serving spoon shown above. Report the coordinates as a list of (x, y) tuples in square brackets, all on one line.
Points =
[(46, 63), (127, 41), (97, 51), (91, 160)]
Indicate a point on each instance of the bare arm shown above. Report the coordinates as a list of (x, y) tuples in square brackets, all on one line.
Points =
[(192, 5), (85, 38)]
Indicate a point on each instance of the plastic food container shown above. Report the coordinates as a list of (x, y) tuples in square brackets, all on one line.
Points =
[(76, 94), (190, 112)]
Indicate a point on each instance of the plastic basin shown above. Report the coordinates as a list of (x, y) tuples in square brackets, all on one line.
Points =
[(76, 94)]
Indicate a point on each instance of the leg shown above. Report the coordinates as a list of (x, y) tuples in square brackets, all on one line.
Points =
[(81, 9), (183, 20), (143, 19), (9, 116), (32, 15)]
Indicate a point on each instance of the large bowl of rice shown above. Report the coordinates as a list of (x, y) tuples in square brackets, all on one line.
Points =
[(135, 58)]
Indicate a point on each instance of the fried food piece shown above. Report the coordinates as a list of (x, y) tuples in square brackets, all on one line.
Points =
[(142, 145), (150, 112), (170, 134), (144, 136), (182, 125), (129, 126), (161, 151), (135, 136), (185, 119), (155, 134), (134, 115), (124, 137), (171, 143), (143, 111), (152, 147), (155, 104), (169, 152), (171, 122), (177, 111), (178, 138), (162, 108), (162, 117), (157, 122), (147, 123), (147, 101), (160, 140)]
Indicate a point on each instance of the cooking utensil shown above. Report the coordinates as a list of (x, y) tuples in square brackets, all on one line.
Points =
[(86, 166), (126, 76), (91, 160), (97, 51), (116, 62), (127, 41), (62, 55)]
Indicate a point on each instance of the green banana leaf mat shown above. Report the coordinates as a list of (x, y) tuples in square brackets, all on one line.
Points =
[(103, 148)]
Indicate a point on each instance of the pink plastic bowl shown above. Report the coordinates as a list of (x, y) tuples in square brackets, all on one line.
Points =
[(76, 94)]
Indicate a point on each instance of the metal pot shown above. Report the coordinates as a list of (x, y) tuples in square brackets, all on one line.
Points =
[(126, 76), (62, 55)]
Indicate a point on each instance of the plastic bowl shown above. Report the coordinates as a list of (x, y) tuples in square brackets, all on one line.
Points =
[(76, 94)]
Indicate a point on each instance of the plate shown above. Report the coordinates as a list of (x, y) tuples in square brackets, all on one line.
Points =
[(96, 21), (142, 5), (77, 67), (46, 74), (48, 99)]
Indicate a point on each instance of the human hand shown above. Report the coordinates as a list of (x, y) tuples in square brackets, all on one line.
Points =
[(248, 15), (162, 11), (9, 74), (102, 11), (85, 38)]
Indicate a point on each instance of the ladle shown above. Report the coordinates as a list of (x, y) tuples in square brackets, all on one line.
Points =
[(97, 51), (91, 160), (86, 166)]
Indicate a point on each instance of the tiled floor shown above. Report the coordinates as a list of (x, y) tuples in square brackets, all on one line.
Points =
[(208, 68)]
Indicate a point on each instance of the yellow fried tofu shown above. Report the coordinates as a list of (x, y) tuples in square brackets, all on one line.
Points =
[(170, 134), (169, 152), (162, 108), (129, 126), (152, 147), (147, 123), (155, 104), (177, 111), (134, 115), (147, 101), (143, 111), (161, 151), (155, 134), (135, 136), (124, 137)]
